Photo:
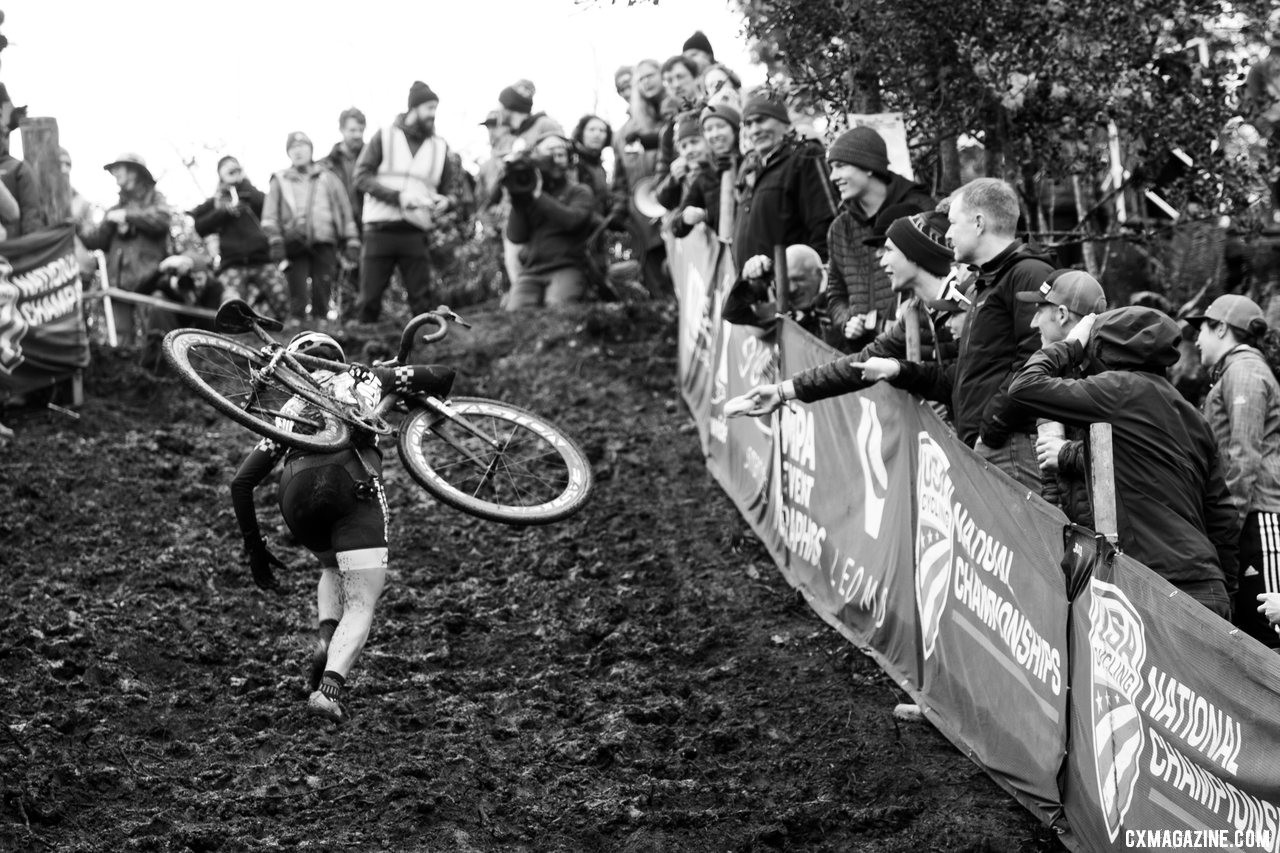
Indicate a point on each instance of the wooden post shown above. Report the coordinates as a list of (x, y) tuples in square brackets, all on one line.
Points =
[(40, 151), (911, 326), (1103, 482), (728, 205), (781, 278)]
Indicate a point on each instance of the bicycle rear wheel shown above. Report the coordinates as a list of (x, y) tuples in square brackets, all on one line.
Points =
[(496, 461), (284, 406)]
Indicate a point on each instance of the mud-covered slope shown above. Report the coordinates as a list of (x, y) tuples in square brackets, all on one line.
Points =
[(638, 678)]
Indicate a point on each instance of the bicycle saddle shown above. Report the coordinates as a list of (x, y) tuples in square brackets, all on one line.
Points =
[(235, 317)]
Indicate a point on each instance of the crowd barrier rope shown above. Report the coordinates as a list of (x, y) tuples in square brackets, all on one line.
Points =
[(1118, 711)]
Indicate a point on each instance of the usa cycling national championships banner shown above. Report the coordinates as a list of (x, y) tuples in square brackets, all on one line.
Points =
[(42, 333), (1118, 711), (1175, 719)]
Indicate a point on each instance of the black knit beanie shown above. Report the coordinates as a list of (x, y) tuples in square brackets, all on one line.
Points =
[(699, 41), (420, 93), (922, 238), (518, 97), (861, 147)]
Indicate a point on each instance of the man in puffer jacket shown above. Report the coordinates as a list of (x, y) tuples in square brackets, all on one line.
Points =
[(308, 220), (859, 300), (1173, 509)]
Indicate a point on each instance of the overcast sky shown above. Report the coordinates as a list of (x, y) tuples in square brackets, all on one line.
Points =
[(176, 81)]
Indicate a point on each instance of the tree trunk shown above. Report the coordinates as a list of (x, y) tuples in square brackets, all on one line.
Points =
[(40, 151), (949, 163)]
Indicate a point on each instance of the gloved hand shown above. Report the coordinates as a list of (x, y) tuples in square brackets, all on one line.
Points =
[(275, 250), (262, 563)]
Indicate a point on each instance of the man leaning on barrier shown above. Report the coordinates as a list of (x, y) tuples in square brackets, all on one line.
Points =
[(1173, 509)]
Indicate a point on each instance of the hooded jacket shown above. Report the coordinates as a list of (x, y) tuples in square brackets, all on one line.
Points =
[(996, 343), (786, 198), (1243, 410), (1174, 511), (241, 240), (855, 282)]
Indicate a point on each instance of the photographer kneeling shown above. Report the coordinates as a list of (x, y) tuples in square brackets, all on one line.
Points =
[(551, 219)]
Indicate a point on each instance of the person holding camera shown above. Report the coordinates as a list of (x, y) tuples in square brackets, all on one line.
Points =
[(551, 220), (234, 213)]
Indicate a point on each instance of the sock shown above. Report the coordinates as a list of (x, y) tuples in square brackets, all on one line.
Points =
[(331, 685), (326, 629)]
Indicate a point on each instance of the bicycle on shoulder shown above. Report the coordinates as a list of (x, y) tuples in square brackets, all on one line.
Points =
[(485, 457)]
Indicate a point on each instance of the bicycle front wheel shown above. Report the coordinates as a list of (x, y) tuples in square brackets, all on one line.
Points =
[(496, 461), (282, 406)]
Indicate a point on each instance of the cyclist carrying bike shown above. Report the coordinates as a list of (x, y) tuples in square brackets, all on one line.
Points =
[(334, 504)]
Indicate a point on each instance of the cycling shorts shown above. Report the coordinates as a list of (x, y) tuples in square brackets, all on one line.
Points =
[(332, 505)]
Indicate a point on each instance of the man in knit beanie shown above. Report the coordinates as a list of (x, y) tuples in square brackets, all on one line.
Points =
[(411, 181), (515, 111), (786, 195), (698, 48), (860, 301)]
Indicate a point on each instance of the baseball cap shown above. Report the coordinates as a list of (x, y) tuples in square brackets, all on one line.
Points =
[(1232, 309), (1075, 290)]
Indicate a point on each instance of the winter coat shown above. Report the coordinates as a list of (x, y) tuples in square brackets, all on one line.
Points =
[(20, 180), (591, 175), (997, 341), (841, 377), (343, 165), (241, 240), (703, 192), (1174, 511), (855, 282), (786, 198), (134, 253), (1243, 410), (553, 227), (308, 208)]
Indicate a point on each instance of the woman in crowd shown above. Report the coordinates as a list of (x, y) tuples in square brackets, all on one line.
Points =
[(701, 201), (134, 235), (1243, 408), (636, 150), (591, 136)]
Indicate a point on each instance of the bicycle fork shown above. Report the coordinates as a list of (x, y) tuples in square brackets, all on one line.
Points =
[(443, 413)]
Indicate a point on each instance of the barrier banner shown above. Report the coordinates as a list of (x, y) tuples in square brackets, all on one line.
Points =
[(740, 451), (42, 333), (843, 510), (1115, 709), (696, 268), (1175, 727), (992, 603)]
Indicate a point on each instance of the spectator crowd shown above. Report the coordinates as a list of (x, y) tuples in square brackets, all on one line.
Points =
[(938, 295)]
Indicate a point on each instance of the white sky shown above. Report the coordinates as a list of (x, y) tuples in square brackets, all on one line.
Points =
[(173, 81)]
